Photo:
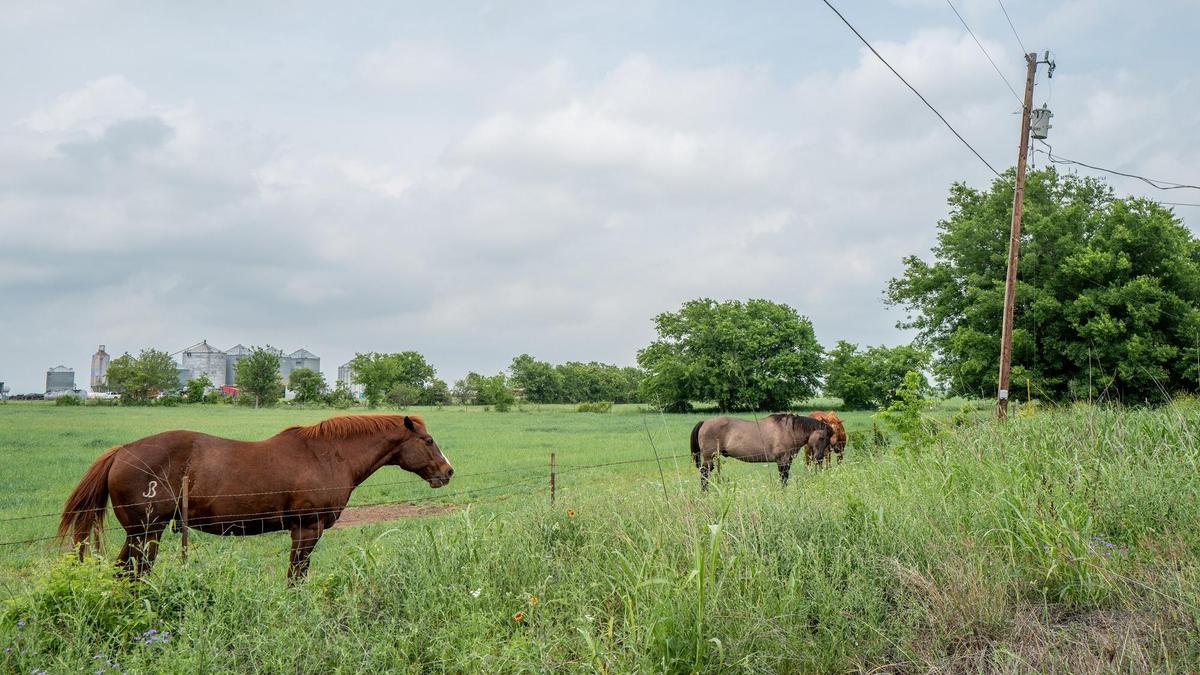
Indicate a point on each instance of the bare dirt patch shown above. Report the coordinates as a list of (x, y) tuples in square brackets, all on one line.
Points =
[(365, 515)]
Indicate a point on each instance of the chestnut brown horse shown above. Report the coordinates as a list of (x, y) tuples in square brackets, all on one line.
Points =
[(298, 480), (837, 445), (775, 438)]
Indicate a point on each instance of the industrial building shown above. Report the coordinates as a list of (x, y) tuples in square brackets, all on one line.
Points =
[(100, 361), (345, 375), (204, 359), (232, 356), (60, 379), (221, 366), (301, 358)]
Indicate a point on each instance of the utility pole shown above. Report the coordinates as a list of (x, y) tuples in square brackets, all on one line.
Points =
[(1014, 242)]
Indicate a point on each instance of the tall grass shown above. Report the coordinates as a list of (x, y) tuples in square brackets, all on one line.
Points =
[(1066, 542)]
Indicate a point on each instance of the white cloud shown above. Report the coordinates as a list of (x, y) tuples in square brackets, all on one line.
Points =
[(91, 108), (412, 64)]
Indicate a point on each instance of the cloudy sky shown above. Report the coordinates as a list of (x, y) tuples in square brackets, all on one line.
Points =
[(476, 180)]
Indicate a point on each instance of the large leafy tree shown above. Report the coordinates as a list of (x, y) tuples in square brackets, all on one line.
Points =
[(539, 379), (1107, 296), (868, 379), (258, 376), (753, 355), (383, 374), (141, 378), (308, 384)]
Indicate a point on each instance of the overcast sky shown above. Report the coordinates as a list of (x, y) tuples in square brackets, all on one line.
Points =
[(476, 180)]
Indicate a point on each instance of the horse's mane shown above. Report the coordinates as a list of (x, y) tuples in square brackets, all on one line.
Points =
[(350, 426), (801, 421)]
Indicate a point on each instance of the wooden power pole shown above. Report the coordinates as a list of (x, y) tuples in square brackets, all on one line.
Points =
[(1014, 243)]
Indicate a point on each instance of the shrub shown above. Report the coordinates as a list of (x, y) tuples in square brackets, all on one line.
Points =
[(595, 407), (905, 414), (169, 400), (68, 399)]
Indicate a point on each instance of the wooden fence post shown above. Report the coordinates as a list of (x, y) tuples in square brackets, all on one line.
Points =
[(183, 533), (552, 465)]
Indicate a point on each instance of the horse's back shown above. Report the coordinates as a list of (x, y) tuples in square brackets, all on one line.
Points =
[(745, 439)]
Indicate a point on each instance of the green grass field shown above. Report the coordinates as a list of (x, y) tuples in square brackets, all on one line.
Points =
[(1067, 542)]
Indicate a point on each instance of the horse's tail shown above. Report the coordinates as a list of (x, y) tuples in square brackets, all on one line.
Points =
[(83, 514), (696, 442)]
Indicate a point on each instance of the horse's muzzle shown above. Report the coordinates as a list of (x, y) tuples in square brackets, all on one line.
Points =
[(440, 479)]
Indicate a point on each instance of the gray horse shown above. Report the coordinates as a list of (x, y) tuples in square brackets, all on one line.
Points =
[(776, 438)]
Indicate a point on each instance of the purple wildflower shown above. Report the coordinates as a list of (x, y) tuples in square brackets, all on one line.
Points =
[(21, 623)]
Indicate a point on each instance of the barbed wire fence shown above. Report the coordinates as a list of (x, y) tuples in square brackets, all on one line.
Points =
[(235, 521)]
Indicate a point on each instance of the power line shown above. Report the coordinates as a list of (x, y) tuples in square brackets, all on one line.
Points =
[(1159, 184), (914, 89), (1014, 28), (985, 52)]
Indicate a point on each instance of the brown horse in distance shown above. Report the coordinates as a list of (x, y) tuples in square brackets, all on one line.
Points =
[(837, 444), (298, 480), (775, 438)]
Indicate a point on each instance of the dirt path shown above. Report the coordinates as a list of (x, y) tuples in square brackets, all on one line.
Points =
[(364, 515)]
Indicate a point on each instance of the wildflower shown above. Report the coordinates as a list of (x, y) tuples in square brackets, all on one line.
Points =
[(518, 616), (533, 600), (21, 623), (570, 513), (475, 593)]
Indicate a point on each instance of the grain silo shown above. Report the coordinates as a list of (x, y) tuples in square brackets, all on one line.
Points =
[(100, 361), (205, 359), (301, 358), (60, 379), (346, 376), (232, 356)]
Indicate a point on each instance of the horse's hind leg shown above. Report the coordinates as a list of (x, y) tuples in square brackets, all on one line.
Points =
[(140, 549)]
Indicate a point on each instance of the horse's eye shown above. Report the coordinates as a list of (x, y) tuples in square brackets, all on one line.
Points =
[(428, 441)]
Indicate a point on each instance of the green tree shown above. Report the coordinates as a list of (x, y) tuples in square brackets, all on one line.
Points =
[(1108, 291), (258, 376), (340, 396), (848, 376), (380, 374), (307, 384), (139, 379), (753, 355), (539, 380), (435, 393), (196, 388), (466, 389), (866, 380), (494, 391)]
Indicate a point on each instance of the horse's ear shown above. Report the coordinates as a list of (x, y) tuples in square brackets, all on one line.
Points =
[(408, 424)]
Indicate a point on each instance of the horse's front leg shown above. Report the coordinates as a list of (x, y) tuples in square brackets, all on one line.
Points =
[(785, 468), (706, 468), (304, 539)]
